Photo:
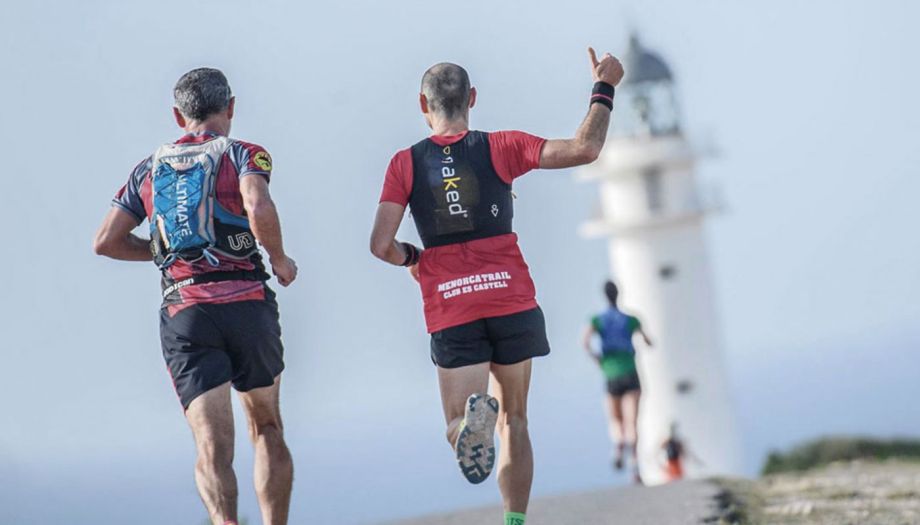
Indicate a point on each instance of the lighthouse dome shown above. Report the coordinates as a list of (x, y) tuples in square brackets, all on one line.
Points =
[(647, 102), (643, 65)]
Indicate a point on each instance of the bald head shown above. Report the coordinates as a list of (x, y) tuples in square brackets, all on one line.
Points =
[(447, 88)]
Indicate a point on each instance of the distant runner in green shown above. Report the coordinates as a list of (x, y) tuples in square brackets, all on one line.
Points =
[(617, 359)]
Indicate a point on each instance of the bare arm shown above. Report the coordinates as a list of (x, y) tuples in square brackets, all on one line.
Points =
[(263, 216), (114, 238), (383, 237), (692, 457), (589, 140), (644, 336), (265, 225), (587, 338), (584, 148)]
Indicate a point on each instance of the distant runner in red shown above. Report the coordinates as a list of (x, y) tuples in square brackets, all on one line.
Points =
[(479, 299), (675, 451)]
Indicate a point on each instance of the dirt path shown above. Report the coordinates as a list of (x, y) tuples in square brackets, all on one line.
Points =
[(683, 503)]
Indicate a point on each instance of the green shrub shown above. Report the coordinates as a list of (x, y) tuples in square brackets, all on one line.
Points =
[(826, 450)]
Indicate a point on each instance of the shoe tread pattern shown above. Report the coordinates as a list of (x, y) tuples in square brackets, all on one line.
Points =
[(476, 443)]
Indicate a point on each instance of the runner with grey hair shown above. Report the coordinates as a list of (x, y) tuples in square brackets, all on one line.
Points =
[(207, 202), (202, 92)]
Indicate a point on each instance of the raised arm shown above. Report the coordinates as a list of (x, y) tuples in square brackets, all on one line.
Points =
[(265, 225), (114, 238), (589, 140)]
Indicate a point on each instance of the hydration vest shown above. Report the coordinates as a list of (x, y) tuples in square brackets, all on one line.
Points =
[(616, 331), (456, 194), (188, 222)]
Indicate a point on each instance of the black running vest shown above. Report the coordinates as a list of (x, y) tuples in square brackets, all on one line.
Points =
[(456, 194)]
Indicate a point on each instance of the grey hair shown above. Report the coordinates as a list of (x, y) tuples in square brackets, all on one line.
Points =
[(447, 88), (202, 92)]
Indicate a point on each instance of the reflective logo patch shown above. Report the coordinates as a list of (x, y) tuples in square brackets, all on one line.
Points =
[(241, 241), (456, 192)]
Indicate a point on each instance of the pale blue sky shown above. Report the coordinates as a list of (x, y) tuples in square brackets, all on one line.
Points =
[(812, 105)]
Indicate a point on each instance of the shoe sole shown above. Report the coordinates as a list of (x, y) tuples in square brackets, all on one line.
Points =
[(476, 442)]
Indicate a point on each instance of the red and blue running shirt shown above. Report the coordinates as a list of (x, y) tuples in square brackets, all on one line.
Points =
[(467, 281), (240, 160)]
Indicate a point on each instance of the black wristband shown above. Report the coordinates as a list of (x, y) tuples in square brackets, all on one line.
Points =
[(603, 94), (412, 254)]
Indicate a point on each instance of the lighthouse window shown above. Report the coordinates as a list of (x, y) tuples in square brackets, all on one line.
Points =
[(652, 181), (684, 386), (667, 272)]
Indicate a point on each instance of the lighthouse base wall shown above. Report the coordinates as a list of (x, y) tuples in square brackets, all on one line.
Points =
[(664, 279)]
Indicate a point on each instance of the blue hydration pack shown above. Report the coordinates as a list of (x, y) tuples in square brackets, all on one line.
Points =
[(188, 222), (616, 331)]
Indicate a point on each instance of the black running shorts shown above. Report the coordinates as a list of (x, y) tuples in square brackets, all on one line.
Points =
[(206, 345), (504, 340), (623, 384)]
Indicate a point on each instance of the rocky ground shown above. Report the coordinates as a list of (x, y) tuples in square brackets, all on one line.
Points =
[(851, 493)]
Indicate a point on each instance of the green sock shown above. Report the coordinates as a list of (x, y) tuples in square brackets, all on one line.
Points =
[(514, 518)]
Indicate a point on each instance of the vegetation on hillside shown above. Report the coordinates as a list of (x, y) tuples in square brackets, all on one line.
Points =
[(822, 451)]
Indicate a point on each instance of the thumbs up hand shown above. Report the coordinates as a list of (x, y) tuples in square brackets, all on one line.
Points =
[(608, 69)]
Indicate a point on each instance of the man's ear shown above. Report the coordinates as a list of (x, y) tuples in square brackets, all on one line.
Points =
[(423, 103), (180, 118), (230, 107), (472, 97)]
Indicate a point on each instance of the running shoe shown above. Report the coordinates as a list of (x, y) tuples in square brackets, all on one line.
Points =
[(476, 441)]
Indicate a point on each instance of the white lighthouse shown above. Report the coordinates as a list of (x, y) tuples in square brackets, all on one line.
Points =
[(652, 213)]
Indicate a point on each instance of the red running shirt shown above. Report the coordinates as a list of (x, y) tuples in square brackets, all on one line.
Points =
[(473, 280)]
